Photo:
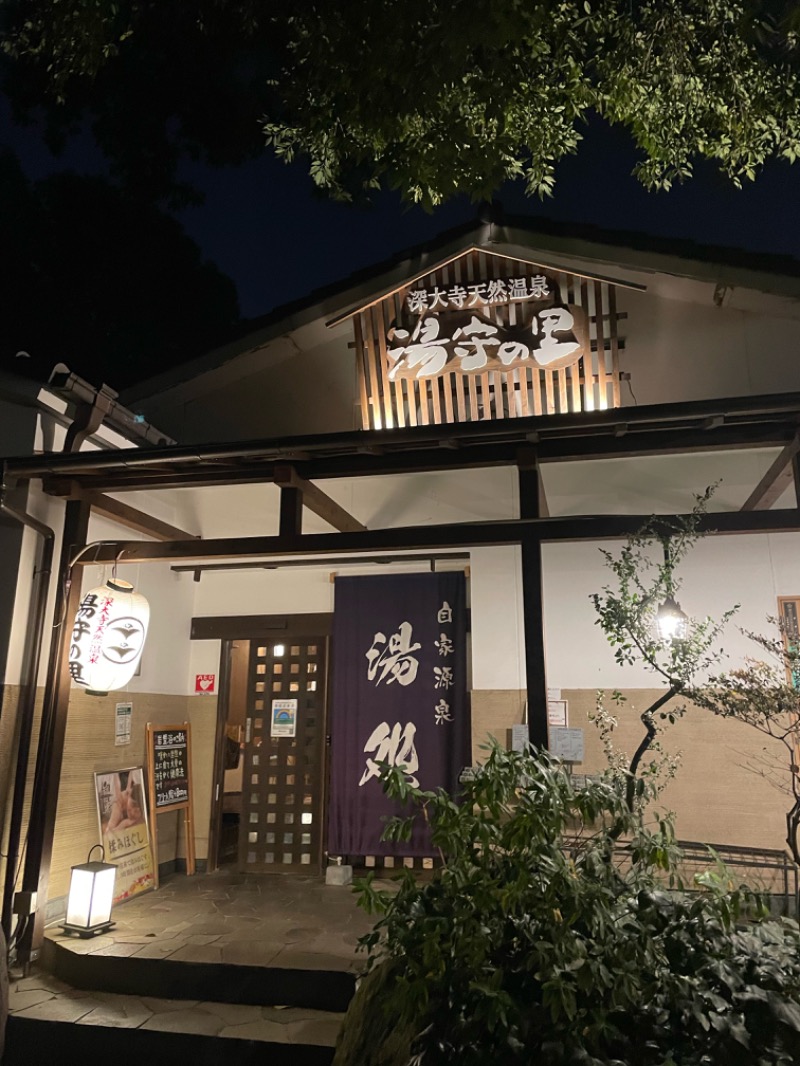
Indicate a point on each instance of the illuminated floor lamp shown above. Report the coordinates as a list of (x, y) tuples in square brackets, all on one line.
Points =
[(91, 893)]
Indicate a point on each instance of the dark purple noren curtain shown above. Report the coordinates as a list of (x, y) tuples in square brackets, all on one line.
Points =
[(399, 695)]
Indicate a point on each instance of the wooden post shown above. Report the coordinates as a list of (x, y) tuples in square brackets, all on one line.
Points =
[(532, 600), (44, 801), (291, 513)]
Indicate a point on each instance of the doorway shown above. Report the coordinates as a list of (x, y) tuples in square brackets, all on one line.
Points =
[(271, 746)]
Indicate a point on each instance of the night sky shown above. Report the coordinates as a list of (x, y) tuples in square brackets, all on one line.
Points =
[(266, 227)]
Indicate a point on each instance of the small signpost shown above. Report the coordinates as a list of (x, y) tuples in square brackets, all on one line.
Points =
[(169, 766)]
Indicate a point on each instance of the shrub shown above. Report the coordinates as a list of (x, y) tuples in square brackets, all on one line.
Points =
[(556, 932)]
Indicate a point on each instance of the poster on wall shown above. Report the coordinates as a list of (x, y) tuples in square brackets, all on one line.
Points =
[(124, 830), (284, 718), (399, 697), (122, 724)]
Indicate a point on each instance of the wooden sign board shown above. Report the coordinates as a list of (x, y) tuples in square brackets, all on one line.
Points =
[(169, 766), (485, 337)]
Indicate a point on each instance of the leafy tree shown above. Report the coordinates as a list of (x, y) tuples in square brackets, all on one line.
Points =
[(433, 98), (543, 939), (628, 611), (761, 693), (101, 281)]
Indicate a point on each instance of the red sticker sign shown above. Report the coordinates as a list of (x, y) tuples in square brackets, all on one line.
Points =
[(205, 684)]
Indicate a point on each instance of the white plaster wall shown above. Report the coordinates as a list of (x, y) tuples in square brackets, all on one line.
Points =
[(498, 643), (301, 391), (657, 484), (681, 349), (720, 572)]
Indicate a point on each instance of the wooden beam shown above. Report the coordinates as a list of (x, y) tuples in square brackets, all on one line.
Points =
[(135, 519), (590, 446), (117, 511), (776, 480), (316, 500), (436, 537)]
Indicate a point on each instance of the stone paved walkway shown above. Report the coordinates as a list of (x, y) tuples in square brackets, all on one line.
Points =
[(43, 997), (279, 920)]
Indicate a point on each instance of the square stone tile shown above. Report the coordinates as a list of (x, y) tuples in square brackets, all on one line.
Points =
[(18, 1001), (198, 953), (258, 1030), (155, 950), (249, 953), (322, 1031), (119, 1012), (121, 950), (61, 1009), (40, 979), (193, 1020), (234, 1013), (162, 1006)]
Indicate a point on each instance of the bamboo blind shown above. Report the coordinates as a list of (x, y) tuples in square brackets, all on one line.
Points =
[(590, 384)]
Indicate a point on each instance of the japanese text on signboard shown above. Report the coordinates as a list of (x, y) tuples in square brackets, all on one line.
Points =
[(170, 767)]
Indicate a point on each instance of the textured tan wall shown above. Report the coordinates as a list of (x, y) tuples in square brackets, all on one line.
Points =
[(89, 748), (714, 796), (494, 711)]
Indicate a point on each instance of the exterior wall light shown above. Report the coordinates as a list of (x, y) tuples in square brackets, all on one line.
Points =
[(671, 621), (91, 893), (108, 637)]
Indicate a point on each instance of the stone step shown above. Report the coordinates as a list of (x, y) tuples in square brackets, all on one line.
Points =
[(314, 981), (53, 1022)]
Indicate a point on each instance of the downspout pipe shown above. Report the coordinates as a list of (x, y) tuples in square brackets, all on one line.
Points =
[(28, 685)]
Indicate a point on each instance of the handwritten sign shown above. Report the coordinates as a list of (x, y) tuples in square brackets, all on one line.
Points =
[(170, 762)]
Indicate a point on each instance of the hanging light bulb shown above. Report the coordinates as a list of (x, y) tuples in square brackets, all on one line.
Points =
[(108, 637), (671, 622)]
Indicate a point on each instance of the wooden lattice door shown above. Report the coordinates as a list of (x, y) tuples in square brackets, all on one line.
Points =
[(283, 785)]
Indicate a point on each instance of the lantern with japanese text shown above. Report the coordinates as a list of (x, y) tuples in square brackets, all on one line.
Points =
[(108, 637)]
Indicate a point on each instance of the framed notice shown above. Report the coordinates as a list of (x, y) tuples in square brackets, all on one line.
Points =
[(557, 713), (284, 718), (789, 617), (169, 763), (124, 830), (122, 724), (567, 744)]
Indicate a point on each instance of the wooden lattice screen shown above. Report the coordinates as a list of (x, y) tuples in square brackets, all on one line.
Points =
[(592, 383)]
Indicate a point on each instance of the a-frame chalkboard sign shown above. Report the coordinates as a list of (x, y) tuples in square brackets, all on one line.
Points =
[(169, 772)]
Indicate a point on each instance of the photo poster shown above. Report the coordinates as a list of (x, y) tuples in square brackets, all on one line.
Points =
[(399, 697), (124, 830), (284, 718)]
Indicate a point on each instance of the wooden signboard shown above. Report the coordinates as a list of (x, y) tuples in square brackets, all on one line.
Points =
[(483, 337), (169, 766)]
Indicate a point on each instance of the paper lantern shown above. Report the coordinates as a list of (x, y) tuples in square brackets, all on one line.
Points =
[(91, 893), (108, 637)]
